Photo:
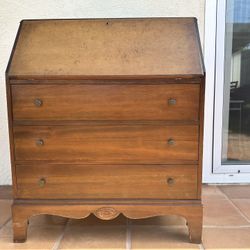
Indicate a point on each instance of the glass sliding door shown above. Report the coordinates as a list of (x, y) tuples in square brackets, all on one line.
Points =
[(232, 90)]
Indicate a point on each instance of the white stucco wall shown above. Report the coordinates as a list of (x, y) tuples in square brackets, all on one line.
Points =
[(11, 12)]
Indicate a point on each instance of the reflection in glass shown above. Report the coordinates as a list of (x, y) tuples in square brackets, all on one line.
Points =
[(236, 106)]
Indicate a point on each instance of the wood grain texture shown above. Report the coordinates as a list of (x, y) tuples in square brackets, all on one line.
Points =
[(106, 102), (107, 182), (114, 144), (11, 135), (107, 47), (91, 129), (23, 210), (201, 132)]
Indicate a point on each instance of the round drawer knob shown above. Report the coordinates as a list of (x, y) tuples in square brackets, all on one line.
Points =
[(171, 141), (40, 142), (42, 182), (170, 181), (171, 101), (38, 102)]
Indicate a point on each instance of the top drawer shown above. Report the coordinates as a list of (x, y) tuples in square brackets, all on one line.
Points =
[(106, 102)]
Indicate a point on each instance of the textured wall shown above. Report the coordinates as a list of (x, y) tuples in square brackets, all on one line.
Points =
[(11, 12)]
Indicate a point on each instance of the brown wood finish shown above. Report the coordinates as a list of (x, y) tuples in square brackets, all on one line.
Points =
[(105, 119), (23, 210), (106, 102), (107, 144), (107, 182), (201, 130), (106, 47)]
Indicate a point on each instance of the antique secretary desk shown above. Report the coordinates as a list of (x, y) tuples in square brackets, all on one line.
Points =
[(106, 117)]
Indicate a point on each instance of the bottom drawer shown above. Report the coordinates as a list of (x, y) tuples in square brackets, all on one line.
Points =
[(104, 182)]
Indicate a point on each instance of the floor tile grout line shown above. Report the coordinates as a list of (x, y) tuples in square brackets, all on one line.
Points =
[(236, 207), (227, 227), (128, 235), (240, 211), (157, 225), (201, 247), (4, 224), (59, 239)]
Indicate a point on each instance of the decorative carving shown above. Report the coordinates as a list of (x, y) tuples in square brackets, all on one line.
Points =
[(23, 210), (106, 213)]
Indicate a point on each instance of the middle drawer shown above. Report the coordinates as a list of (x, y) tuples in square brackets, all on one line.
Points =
[(111, 144)]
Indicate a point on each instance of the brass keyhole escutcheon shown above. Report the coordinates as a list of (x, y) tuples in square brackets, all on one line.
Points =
[(38, 102), (42, 182), (171, 101), (170, 181)]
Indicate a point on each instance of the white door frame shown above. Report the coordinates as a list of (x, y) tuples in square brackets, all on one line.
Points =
[(215, 24)]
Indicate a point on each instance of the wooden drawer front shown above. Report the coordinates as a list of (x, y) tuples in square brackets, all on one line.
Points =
[(105, 102), (100, 181), (114, 144)]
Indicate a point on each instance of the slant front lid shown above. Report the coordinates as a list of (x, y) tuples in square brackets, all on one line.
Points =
[(107, 47)]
